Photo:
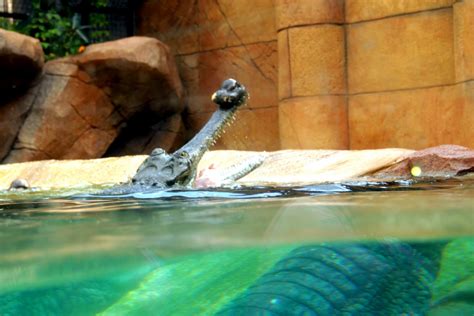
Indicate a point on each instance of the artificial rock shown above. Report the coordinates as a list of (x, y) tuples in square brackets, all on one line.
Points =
[(83, 102)]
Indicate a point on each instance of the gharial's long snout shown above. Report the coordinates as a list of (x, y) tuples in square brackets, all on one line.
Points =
[(162, 170), (229, 97)]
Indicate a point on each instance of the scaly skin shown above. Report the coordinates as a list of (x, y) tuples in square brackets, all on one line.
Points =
[(177, 170), (389, 278)]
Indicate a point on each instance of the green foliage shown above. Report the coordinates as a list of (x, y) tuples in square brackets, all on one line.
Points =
[(99, 32), (61, 35), (99, 21), (56, 33), (8, 24)]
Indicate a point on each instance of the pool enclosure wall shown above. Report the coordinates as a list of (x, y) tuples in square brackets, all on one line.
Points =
[(327, 73)]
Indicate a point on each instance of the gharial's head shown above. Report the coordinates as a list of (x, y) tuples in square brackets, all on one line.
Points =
[(231, 94)]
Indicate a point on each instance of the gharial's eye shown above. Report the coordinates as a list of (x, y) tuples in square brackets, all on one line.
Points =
[(183, 154)]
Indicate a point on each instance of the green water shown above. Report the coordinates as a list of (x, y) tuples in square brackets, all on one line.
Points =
[(195, 253)]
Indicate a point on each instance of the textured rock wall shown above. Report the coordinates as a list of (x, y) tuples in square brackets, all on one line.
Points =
[(312, 77), (328, 73), (213, 40), (397, 73), (410, 71)]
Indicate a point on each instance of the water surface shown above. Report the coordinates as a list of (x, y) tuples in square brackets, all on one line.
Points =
[(199, 252)]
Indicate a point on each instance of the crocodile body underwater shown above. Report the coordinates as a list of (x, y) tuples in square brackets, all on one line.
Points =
[(387, 278)]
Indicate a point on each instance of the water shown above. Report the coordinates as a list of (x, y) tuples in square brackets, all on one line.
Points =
[(354, 249)]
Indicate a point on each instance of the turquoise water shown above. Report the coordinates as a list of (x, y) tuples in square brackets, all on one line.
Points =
[(360, 249)]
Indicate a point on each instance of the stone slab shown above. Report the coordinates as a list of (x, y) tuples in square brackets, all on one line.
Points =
[(402, 52), (229, 22), (172, 22), (193, 26), (306, 12), (284, 70), (361, 10), (317, 60), (314, 122), (415, 119), (464, 40)]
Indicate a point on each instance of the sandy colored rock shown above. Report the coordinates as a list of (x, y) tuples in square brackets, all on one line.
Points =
[(253, 129), (281, 168), (440, 161), (402, 52), (412, 119), (317, 60), (172, 22), (306, 12), (284, 70), (21, 60), (253, 65), (300, 167), (228, 23), (313, 122), (48, 174), (193, 26), (464, 40), (360, 10)]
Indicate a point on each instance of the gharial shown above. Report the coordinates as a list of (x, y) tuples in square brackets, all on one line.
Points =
[(162, 170), (347, 278)]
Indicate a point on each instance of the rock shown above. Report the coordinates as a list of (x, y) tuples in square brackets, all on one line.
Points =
[(280, 168), (305, 167), (134, 72), (12, 116), (21, 60), (83, 102), (61, 174), (68, 119), (370, 44), (19, 184), (439, 161), (168, 133)]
